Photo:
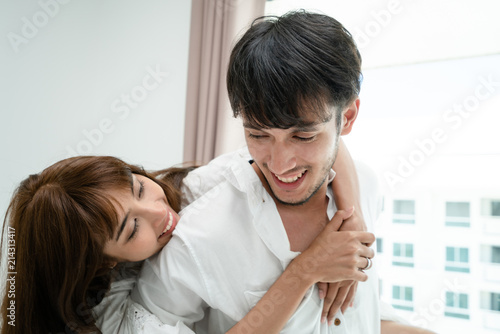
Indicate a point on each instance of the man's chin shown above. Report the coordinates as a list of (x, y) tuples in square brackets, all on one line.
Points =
[(291, 201)]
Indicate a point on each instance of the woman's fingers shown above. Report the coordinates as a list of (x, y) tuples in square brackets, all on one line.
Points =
[(337, 301), (339, 218), (366, 252), (366, 238), (349, 300), (331, 294)]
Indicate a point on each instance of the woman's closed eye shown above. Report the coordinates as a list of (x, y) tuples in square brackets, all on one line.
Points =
[(134, 231)]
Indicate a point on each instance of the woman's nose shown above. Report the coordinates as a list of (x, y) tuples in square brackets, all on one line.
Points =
[(155, 212)]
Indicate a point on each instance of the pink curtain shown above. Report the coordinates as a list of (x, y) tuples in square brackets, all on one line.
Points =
[(210, 128)]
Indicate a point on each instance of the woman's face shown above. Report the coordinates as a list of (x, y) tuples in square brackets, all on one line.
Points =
[(145, 221)]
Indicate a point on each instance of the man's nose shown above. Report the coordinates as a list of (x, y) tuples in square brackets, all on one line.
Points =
[(282, 158)]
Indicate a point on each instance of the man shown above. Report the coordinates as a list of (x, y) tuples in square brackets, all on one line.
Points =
[(294, 81)]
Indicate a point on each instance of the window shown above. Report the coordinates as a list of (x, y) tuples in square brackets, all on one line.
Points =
[(402, 297), (457, 259), (490, 254), (404, 212), (457, 305), (403, 255), (495, 254), (490, 301), (495, 301), (495, 208), (458, 214), (380, 245)]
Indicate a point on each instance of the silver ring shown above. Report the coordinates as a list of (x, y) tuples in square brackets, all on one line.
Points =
[(368, 265)]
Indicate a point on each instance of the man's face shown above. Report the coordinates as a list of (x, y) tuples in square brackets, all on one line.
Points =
[(296, 161)]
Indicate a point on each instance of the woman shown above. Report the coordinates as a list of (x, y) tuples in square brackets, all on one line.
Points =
[(66, 242)]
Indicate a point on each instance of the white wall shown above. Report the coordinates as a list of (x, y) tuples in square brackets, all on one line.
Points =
[(67, 68)]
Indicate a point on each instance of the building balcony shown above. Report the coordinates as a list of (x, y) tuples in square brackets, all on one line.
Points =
[(491, 319), (491, 225), (491, 272)]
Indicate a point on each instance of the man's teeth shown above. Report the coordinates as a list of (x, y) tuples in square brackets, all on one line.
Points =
[(289, 179), (169, 224)]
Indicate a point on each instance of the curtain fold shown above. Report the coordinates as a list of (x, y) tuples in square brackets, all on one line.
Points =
[(210, 129)]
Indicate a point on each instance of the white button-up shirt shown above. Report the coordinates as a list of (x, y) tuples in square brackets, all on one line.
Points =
[(230, 246)]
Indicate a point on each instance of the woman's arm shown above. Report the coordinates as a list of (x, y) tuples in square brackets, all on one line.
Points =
[(330, 258), (345, 186), (391, 327)]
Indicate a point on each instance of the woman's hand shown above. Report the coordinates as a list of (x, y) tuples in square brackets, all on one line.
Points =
[(336, 296), (335, 255), (340, 295)]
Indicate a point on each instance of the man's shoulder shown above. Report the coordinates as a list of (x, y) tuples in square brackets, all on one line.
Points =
[(229, 168)]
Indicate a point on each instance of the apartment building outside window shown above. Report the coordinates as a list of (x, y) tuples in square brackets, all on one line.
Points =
[(457, 259), (403, 255), (380, 245), (404, 212), (457, 305), (402, 297), (495, 254), (495, 208), (457, 214), (490, 301)]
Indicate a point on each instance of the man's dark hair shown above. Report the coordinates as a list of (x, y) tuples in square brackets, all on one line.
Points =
[(288, 67)]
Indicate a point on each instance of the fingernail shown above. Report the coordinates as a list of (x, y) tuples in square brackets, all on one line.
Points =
[(323, 320), (321, 294), (330, 322)]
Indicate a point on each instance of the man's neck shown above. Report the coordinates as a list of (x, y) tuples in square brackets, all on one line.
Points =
[(302, 222)]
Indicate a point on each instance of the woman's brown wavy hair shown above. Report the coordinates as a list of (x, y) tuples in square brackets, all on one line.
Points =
[(61, 220)]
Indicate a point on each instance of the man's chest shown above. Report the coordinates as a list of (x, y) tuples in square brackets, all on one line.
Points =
[(302, 230)]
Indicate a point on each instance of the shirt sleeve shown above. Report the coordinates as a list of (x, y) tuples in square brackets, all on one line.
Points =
[(371, 205), (171, 286), (138, 320), (111, 310), (117, 313)]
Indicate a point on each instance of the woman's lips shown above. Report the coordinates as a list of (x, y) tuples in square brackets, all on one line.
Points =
[(169, 225)]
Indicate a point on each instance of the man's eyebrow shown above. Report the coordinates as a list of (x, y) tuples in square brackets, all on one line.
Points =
[(122, 226), (305, 127), (308, 127)]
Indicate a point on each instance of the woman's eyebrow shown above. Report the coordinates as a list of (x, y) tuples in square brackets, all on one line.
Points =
[(122, 226)]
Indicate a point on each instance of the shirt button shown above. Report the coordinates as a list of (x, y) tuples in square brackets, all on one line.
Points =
[(337, 321)]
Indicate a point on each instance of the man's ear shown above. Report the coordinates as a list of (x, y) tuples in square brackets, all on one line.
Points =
[(349, 116)]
